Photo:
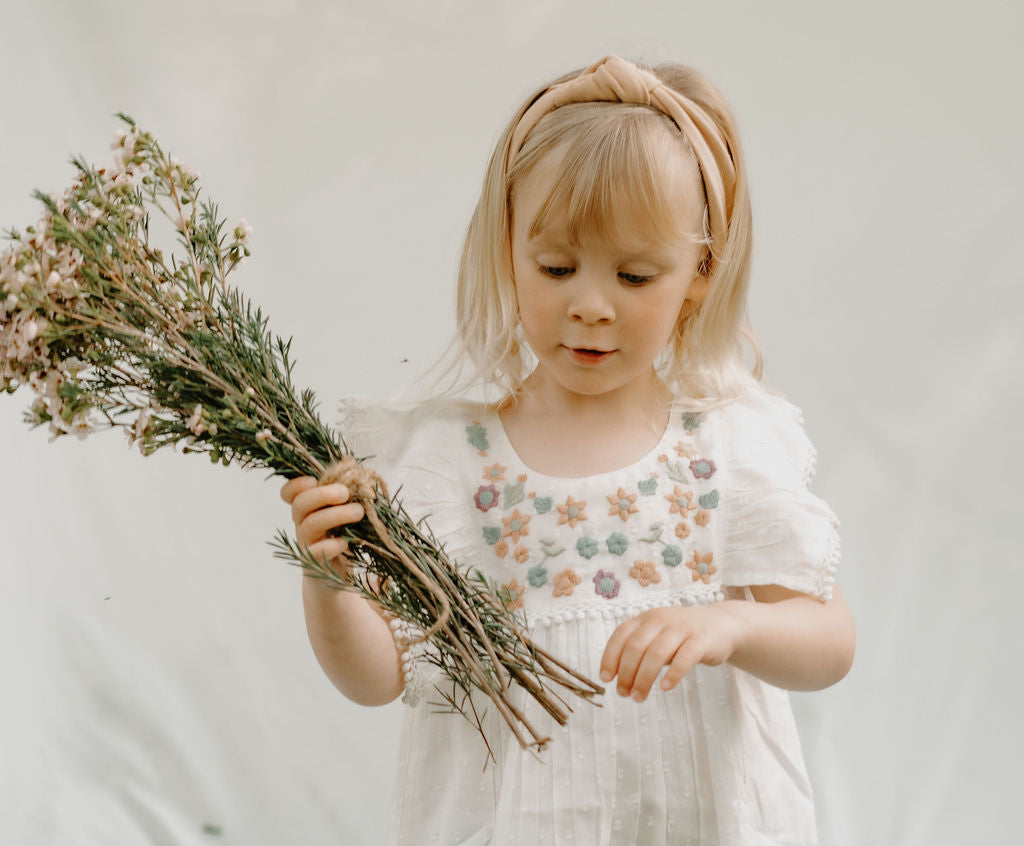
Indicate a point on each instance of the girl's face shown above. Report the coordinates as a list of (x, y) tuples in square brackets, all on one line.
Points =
[(598, 315)]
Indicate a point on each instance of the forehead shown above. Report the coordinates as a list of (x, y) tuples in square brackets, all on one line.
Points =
[(634, 201)]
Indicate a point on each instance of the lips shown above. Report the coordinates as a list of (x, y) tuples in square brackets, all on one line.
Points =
[(589, 356)]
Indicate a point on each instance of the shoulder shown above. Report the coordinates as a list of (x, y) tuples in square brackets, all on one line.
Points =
[(394, 431), (764, 427), (774, 530)]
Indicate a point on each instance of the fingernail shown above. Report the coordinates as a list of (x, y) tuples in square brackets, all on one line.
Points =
[(638, 696), (606, 676)]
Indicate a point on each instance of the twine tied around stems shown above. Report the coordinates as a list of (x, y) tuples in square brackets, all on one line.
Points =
[(364, 486)]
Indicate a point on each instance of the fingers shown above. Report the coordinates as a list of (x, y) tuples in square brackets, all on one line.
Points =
[(640, 666), (686, 658), (666, 649), (625, 650), (295, 486), (311, 498), (316, 509), (641, 647), (330, 548), (317, 524), (613, 650)]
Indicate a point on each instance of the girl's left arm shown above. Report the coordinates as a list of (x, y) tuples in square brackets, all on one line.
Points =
[(792, 640), (785, 638)]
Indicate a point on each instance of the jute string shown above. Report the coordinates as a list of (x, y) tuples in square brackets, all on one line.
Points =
[(364, 486)]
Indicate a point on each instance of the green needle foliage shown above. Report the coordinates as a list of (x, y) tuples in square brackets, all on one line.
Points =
[(109, 331)]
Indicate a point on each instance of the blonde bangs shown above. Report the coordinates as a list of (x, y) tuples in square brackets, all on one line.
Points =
[(611, 175)]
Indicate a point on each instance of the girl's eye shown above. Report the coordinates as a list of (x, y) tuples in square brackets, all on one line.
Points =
[(561, 272)]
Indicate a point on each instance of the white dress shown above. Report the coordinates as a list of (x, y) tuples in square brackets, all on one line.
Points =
[(722, 502)]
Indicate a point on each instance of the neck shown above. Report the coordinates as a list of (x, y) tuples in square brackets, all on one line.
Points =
[(642, 400)]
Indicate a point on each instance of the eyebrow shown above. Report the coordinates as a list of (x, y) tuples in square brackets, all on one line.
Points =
[(637, 250)]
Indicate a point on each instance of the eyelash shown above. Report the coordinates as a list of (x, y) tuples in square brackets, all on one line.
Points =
[(635, 280)]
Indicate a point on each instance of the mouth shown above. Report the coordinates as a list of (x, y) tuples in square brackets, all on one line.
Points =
[(587, 355)]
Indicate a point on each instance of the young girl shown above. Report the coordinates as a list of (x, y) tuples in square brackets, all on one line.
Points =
[(638, 493)]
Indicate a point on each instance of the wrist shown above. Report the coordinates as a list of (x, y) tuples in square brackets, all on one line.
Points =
[(318, 586), (737, 613)]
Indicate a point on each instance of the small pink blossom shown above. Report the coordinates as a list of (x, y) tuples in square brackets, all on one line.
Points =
[(142, 422), (195, 422)]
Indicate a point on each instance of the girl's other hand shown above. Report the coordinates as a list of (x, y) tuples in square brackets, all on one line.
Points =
[(316, 509), (678, 637)]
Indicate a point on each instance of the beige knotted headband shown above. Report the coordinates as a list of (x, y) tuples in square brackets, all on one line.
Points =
[(613, 79)]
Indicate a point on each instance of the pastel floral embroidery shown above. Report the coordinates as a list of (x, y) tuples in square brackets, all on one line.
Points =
[(477, 436), (514, 494), (515, 526), (587, 547), (702, 567), (512, 594), (537, 576), (486, 497), (495, 473), (549, 549), (685, 450), (691, 421), (522, 554), (672, 555), (606, 585), (492, 534), (702, 517), (645, 572), (654, 533), (680, 502), (647, 486), (501, 549), (702, 468), (709, 500), (623, 504), (617, 543), (542, 504), (565, 582), (677, 472), (571, 513), (682, 531)]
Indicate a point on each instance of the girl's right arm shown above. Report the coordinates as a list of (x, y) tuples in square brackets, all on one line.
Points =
[(349, 634)]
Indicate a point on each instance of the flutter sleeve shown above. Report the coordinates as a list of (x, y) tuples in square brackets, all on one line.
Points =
[(412, 446), (774, 530)]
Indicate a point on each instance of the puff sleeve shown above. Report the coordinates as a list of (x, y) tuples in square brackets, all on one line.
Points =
[(774, 530), (410, 446)]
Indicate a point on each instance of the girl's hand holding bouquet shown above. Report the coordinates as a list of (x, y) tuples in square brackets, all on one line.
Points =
[(316, 509)]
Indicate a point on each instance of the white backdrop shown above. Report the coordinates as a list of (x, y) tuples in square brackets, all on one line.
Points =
[(157, 684)]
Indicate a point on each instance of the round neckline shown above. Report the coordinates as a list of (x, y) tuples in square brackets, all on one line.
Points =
[(674, 418)]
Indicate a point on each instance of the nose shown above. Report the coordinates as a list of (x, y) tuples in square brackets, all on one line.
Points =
[(590, 302)]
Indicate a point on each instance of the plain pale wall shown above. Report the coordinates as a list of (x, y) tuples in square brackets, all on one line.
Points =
[(157, 683)]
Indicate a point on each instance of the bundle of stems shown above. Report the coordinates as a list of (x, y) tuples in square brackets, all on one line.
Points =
[(111, 331)]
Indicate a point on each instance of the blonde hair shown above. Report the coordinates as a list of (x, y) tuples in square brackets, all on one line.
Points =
[(609, 150)]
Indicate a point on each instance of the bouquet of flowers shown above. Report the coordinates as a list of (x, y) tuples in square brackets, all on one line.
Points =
[(110, 331)]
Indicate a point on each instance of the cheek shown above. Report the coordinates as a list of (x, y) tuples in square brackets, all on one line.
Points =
[(659, 320), (534, 312)]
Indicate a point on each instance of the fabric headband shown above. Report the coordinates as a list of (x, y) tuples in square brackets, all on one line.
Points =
[(613, 79)]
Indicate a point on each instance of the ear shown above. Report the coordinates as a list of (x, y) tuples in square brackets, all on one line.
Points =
[(698, 289), (695, 295)]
